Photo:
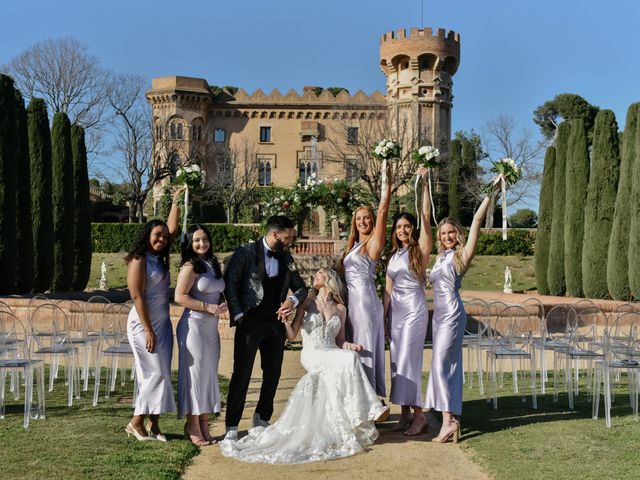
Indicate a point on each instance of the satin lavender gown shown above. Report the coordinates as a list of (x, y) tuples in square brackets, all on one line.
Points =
[(153, 370), (199, 350), (408, 317), (444, 391), (366, 315)]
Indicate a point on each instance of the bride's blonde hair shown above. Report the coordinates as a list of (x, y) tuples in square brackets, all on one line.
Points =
[(458, 256), (334, 285)]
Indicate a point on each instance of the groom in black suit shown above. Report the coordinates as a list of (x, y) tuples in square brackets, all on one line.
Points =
[(258, 278)]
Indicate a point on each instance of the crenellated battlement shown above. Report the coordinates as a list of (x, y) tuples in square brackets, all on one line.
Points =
[(424, 34)]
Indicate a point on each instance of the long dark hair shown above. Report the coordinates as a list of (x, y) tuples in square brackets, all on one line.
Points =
[(415, 256), (199, 263), (141, 245)]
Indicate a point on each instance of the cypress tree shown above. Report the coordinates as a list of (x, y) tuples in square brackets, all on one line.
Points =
[(555, 269), (468, 169), (8, 168), (41, 205), (454, 178), (82, 221), (601, 199), (24, 233), (577, 181), (545, 215), (634, 214), (63, 207), (617, 258)]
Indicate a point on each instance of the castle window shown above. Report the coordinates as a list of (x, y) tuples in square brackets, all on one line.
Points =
[(307, 170), (265, 134), (351, 168), (264, 173), (196, 132), (174, 162), (352, 135), (219, 135), (180, 133), (173, 130)]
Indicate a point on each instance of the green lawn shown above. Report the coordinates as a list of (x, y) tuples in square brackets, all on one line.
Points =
[(89, 442), (517, 442), (486, 272)]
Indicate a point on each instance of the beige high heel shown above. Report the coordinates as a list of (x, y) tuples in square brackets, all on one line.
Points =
[(130, 429), (454, 432)]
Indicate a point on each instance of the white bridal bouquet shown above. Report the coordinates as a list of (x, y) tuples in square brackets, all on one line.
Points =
[(387, 149), (191, 176), (426, 156), (509, 173)]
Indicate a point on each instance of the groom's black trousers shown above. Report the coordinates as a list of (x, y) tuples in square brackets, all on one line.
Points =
[(255, 333)]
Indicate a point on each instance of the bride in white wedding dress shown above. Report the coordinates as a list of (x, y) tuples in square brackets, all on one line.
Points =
[(331, 411)]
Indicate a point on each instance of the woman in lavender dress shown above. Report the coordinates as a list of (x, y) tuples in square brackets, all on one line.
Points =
[(199, 290), (405, 306), (444, 390), (364, 249), (149, 328)]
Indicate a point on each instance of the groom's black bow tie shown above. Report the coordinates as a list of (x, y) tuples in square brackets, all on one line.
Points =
[(272, 254)]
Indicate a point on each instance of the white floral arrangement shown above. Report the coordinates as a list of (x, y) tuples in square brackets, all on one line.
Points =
[(506, 168), (191, 176), (426, 156), (386, 150)]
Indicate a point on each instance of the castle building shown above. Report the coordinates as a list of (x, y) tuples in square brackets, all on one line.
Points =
[(284, 138)]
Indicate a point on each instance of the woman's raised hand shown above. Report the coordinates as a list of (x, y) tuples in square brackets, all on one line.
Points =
[(422, 171)]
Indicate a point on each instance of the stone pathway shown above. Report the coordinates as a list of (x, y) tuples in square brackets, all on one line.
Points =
[(392, 456)]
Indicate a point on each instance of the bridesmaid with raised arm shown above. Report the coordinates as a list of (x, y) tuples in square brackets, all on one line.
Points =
[(364, 248), (444, 390), (406, 312), (149, 328)]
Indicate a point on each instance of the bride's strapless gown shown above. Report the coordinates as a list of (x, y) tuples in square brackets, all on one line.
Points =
[(330, 412)]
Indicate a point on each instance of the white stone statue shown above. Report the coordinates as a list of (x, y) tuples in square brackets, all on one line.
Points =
[(103, 278), (507, 280)]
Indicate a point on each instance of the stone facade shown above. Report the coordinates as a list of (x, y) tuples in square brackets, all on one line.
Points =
[(287, 137)]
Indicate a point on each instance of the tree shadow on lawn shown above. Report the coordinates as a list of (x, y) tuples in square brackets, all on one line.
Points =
[(480, 418)]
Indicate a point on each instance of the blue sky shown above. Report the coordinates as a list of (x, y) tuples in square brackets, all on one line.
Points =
[(515, 53)]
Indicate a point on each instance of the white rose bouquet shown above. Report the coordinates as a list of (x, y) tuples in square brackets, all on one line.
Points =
[(387, 149), (191, 176), (508, 173), (426, 156)]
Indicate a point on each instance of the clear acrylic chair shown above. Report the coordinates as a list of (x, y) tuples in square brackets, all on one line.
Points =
[(15, 357), (50, 340), (78, 334), (114, 344), (621, 354), (512, 335), (474, 309), (485, 341)]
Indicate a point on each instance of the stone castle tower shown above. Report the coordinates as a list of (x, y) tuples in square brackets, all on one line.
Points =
[(419, 67)]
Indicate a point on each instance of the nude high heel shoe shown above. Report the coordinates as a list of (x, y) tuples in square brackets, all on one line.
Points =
[(452, 431), (132, 431)]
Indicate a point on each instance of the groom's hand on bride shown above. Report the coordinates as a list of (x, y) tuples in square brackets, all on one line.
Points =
[(286, 308)]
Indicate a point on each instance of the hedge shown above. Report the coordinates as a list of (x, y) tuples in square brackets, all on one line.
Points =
[(118, 237)]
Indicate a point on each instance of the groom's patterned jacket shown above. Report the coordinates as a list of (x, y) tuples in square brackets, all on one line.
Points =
[(244, 275)]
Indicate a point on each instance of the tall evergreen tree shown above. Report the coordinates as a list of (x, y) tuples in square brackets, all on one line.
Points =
[(555, 269), (82, 240), (618, 256), (468, 185), (601, 199), (577, 181), (545, 216), (8, 169), (634, 217), (41, 204), (24, 232), (454, 178), (63, 206)]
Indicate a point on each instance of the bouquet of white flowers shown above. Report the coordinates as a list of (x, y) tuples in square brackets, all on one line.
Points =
[(507, 169), (386, 150), (509, 173), (191, 176), (426, 156)]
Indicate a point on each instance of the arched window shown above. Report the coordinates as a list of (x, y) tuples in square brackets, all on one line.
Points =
[(173, 130), (174, 162), (264, 173), (307, 168), (180, 133)]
